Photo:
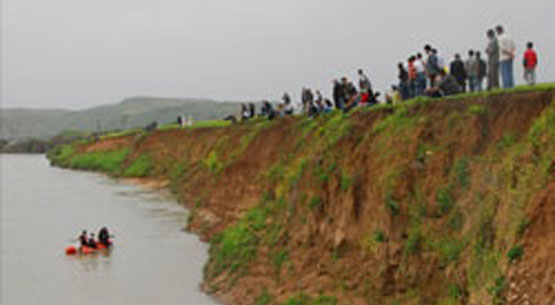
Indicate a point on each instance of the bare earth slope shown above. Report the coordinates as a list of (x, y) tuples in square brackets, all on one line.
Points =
[(429, 202)]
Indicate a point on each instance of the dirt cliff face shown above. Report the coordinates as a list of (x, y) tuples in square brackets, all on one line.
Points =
[(429, 202)]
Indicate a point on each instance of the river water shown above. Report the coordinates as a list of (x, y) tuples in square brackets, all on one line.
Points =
[(44, 208)]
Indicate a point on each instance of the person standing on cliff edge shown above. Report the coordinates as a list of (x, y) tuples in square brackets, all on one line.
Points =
[(530, 62), (506, 56), (492, 51)]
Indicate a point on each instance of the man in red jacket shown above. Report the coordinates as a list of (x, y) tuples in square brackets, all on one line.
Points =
[(530, 62)]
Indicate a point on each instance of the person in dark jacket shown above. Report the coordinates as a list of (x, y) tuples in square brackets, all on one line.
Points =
[(432, 64), (482, 71), (268, 110), (83, 239), (403, 81), (104, 237), (92, 241), (307, 99), (446, 85), (252, 110), (338, 98), (459, 72), (492, 52)]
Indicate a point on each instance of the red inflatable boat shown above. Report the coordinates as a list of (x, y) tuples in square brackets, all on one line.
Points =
[(85, 250)]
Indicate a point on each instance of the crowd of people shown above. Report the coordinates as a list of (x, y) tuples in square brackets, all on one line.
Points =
[(421, 75), (431, 76)]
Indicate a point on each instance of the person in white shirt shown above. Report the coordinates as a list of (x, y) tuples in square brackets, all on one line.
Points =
[(420, 67), (506, 57)]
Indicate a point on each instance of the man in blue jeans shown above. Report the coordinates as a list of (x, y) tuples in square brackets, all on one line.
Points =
[(506, 57)]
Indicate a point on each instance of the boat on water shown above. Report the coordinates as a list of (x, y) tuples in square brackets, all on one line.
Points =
[(87, 250)]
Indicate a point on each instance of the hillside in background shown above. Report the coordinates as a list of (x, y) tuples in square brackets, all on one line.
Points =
[(439, 202), (130, 113)]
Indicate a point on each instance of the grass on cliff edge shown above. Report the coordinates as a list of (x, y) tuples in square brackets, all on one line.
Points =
[(105, 161)]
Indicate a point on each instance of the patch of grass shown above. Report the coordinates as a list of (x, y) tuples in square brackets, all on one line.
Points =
[(315, 202), (444, 200), (105, 161), (303, 299), (276, 172), (379, 236), (321, 174), (414, 241), (522, 226), (476, 109), (392, 205), (456, 220), (213, 163), (278, 258), (140, 167), (462, 172), (237, 245), (346, 182), (210, 124), (508, 140), (454, 291), (63, 153), (179, 170), (264, 298), (335, 254), (497, 289), (450, 249), (233, 248), (296, 173), (119, 133), (515, 253)]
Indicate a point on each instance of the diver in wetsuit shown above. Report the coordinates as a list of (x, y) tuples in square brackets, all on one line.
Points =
[(92, 241), (104, 236), (83, 239)]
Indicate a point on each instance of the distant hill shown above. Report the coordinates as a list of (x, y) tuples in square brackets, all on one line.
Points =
[(17, 123)]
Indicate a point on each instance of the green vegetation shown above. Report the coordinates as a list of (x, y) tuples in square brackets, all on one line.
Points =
[(414, 241), (213, 163), (452, 205), (264, 298), (315, 202), (515, 253), (210, 124), (279, 258), (462, 171), (106, 161), (450, 249), (476, 109), (392, 206), (444, 200), (303, 299), (346, 182), (379, 236), (140, 167), (522, 226)]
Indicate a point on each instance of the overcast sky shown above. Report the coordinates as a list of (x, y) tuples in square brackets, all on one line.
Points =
[(80, 53)]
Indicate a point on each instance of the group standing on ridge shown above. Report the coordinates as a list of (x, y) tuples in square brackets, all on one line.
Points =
[(423, 74)]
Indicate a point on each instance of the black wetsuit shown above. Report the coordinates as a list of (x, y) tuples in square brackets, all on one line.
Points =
[(104, 237), (83, 240)]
